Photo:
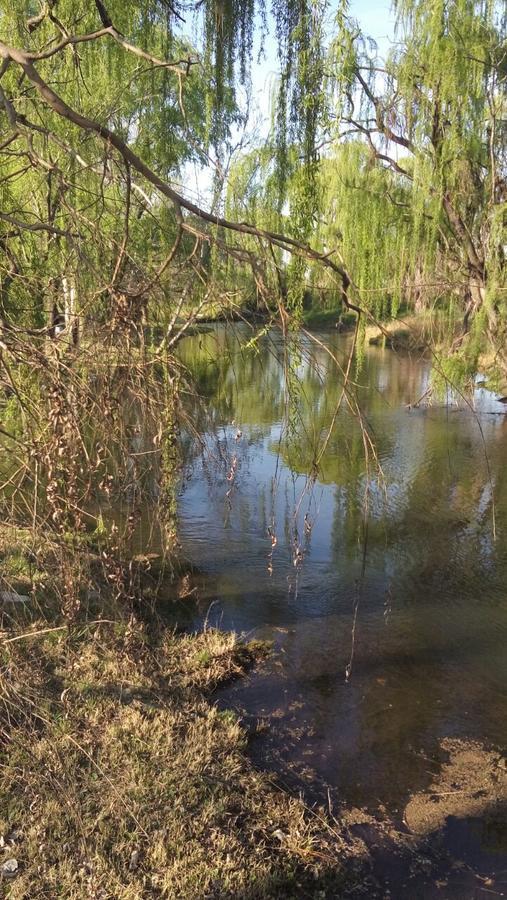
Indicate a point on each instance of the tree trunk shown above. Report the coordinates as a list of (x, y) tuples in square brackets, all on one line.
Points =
[(70, 307)]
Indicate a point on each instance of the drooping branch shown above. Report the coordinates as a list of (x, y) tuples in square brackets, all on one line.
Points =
[(62, 109), (180, 66), (454, 221)]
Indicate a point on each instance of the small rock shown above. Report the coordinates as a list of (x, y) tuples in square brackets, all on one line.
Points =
[(9, 867), (280, 835), (134, 860)]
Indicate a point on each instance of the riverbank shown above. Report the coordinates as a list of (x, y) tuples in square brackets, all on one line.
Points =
[(120, 778)]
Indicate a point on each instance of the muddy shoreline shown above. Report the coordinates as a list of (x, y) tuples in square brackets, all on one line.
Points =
[(448, 840)]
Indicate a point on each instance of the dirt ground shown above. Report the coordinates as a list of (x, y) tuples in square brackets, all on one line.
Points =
[(452, 842)]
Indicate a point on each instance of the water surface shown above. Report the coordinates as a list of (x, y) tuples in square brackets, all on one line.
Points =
[(385, 592)]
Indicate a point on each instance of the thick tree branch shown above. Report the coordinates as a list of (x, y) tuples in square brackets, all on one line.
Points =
[(383, 157), (380, 111), (59, 106), (104, 16), (461, 232), (180, 66)]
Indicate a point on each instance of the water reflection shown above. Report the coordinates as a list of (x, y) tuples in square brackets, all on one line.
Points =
[(424, 624)]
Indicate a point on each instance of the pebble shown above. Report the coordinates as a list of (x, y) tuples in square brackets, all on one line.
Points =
[(9, 867)]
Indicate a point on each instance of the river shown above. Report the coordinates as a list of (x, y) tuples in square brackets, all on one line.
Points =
[(382, 583)]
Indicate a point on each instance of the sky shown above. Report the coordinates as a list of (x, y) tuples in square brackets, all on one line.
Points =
[(376, 18)]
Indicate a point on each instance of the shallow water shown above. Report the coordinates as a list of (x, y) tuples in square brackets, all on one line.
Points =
[(387, 599)]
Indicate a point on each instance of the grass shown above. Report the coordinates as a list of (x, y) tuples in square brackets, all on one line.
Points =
[(329, 318), (410, 331), (16, 571), (120, 779)]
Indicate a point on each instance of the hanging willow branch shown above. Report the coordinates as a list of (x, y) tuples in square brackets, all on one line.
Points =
[(296, 247)]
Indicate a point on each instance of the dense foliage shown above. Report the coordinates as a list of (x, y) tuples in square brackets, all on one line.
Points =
[(394, 169), (381, 186), (411, 183)]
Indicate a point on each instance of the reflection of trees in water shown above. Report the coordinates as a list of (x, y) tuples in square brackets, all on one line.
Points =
[(431, 621), (441, 525), (436, 477), (242, 384)]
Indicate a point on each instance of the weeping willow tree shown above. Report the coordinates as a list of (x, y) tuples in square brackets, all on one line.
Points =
[(115, 102), (432, 119), (104, 254), (391, 176), (72, 212), (409, 171), (366, 213)]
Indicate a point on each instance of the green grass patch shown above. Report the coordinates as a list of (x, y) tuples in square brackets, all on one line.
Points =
[(329, 318)]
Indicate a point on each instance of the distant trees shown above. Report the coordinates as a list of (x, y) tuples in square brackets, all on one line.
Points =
[(410, 187)]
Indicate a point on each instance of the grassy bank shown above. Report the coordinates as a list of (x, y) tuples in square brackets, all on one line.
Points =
[(120, 779), (329, 318)]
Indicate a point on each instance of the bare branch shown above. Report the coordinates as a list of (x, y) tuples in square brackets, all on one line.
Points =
[(181, 66), (34, 226)]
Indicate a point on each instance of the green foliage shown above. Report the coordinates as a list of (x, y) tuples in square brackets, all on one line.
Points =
[(228, 45), (395, 168), (365, 214), (410, 192)]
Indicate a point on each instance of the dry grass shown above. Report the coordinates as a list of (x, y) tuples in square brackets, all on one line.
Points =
[(410, 331), (119, 779)]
